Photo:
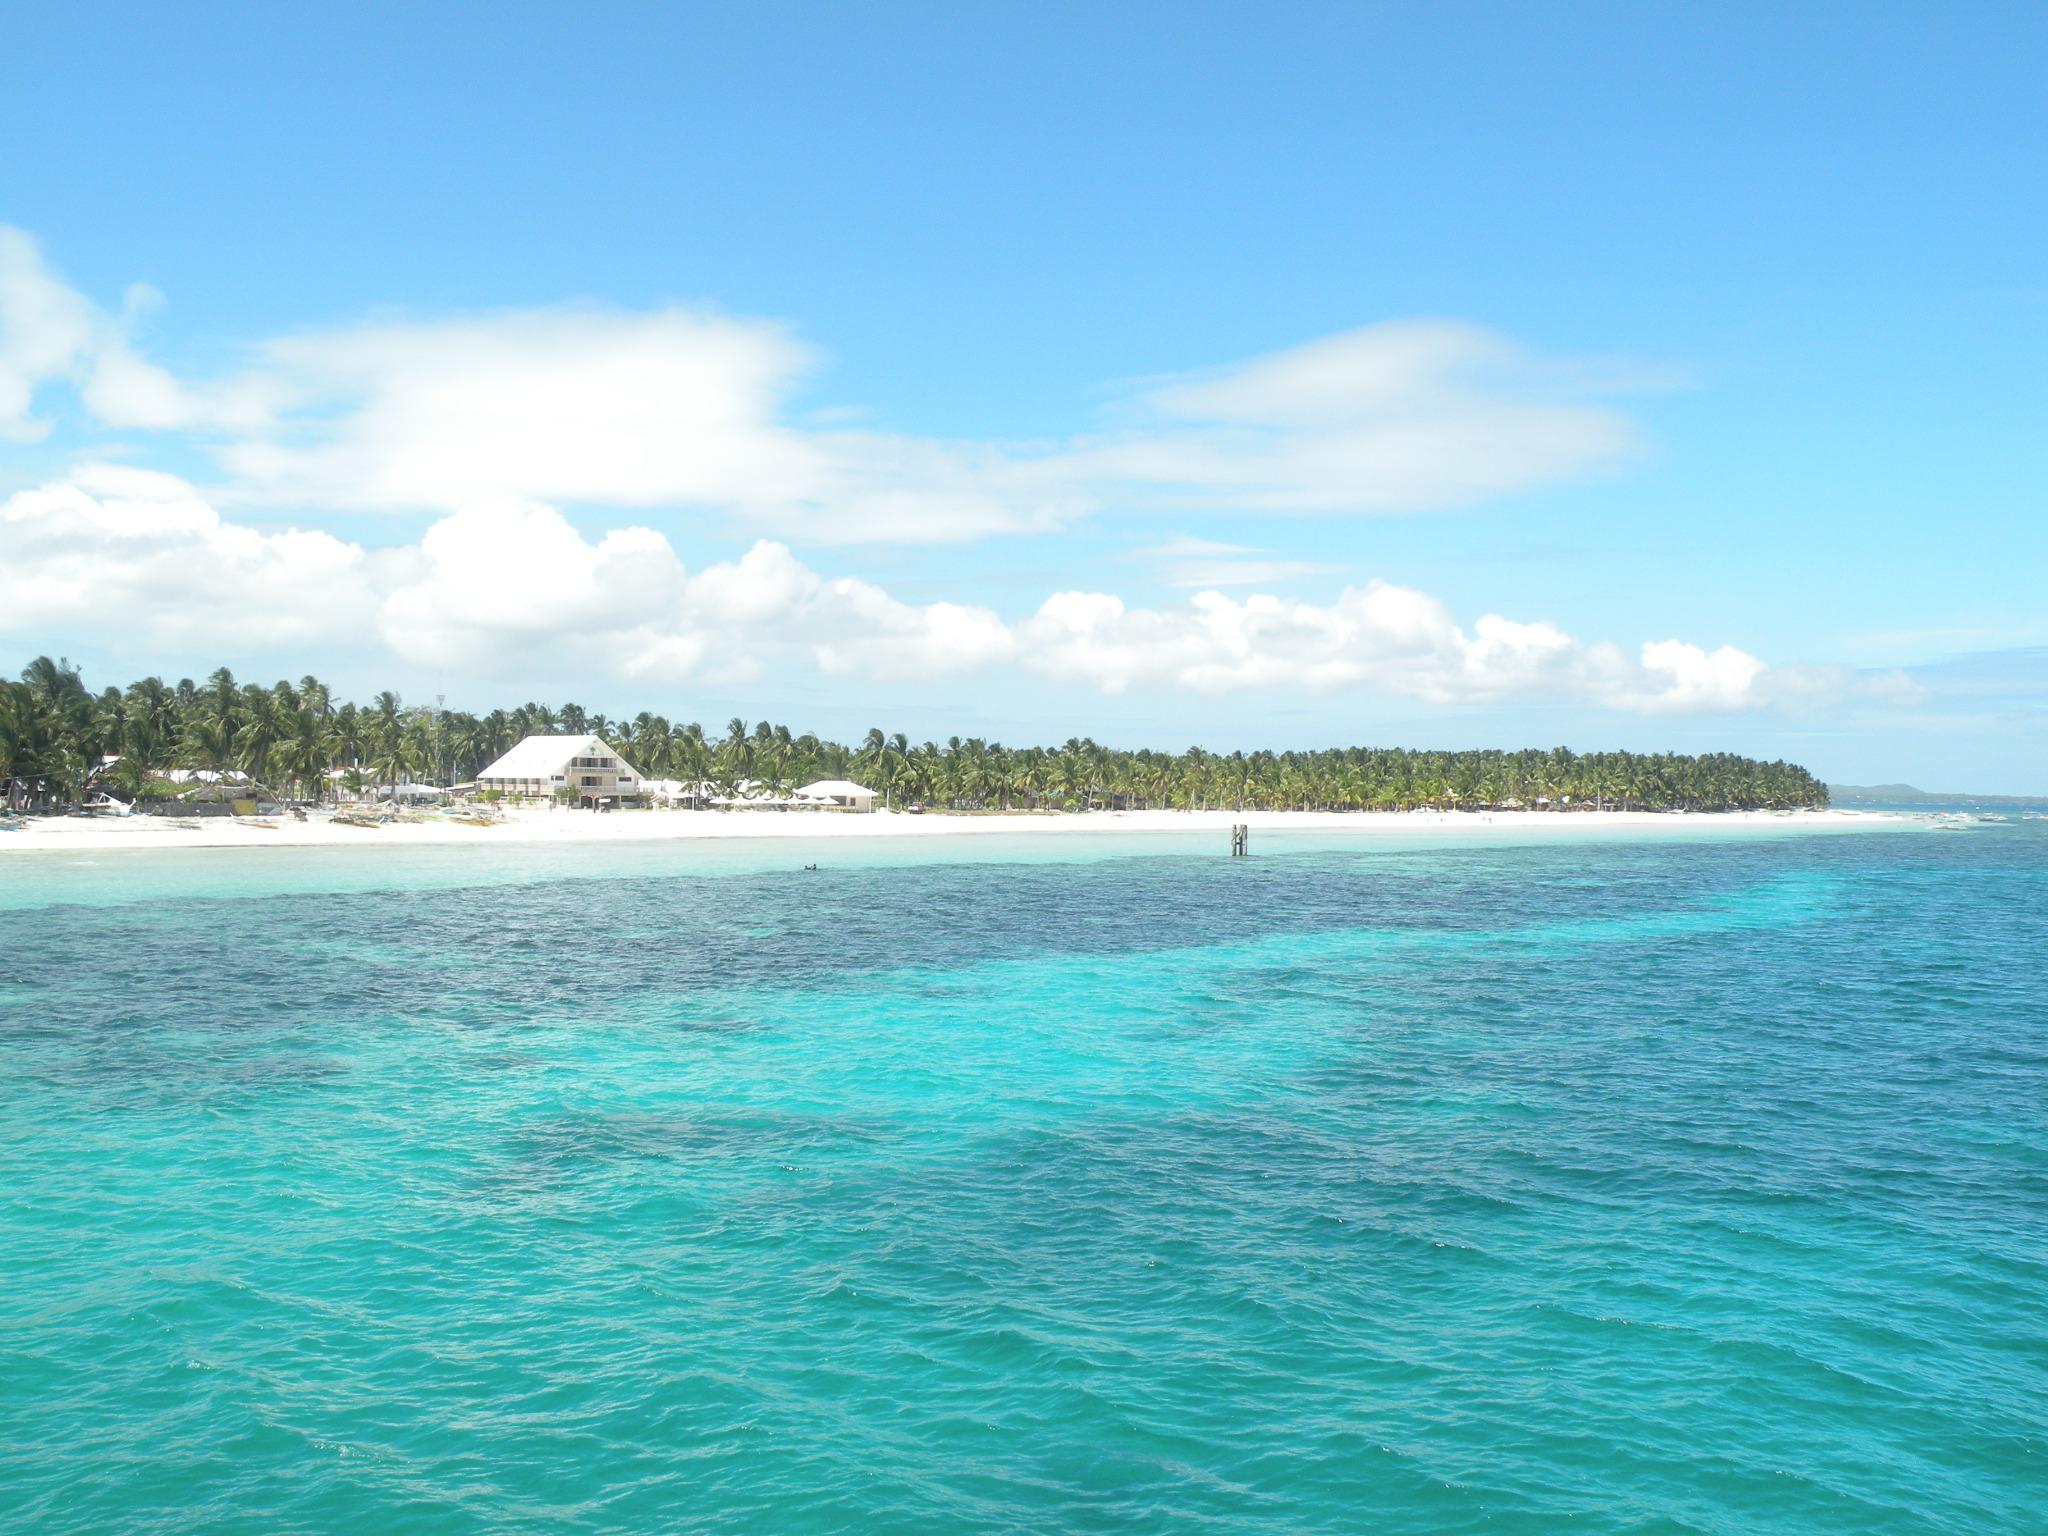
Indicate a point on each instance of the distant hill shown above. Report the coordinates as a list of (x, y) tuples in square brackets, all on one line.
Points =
[(1906, 794)]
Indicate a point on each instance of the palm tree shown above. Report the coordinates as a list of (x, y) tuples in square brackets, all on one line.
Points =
[(56, 737), (880, 759)]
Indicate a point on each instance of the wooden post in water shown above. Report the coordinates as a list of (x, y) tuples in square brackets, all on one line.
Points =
[(1240, 840)]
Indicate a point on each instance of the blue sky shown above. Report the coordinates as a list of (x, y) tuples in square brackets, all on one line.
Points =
[(1715, 327)]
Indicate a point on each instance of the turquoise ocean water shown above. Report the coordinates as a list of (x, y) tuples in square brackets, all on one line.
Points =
[(1602, 1184)]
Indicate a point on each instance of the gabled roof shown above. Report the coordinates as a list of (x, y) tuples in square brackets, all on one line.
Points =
[(542, 757), (826, 788)]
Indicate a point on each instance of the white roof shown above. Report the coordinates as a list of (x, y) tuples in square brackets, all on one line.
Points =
[(696, 789), (542, 757), (828, 788)]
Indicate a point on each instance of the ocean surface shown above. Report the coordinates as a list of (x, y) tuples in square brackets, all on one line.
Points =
[(1624, 1183)]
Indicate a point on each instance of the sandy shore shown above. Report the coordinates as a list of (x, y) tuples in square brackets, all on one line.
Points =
[(84, 833)]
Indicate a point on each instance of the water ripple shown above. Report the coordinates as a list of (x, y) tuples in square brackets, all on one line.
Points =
[(1611, 1187)]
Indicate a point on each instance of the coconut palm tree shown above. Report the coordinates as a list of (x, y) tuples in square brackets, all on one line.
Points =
[(56, 736)]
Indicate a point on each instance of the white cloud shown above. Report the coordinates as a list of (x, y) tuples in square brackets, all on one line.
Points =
[(129, 549), (492, 588), (678, 408), (1688, 677), (124, 389), (1382, 638), (490, 585), (487, 591), (688, 409), (623, 410), (1401, 366), (46, 331), (49, 332), (877, 636), (1405, 416)]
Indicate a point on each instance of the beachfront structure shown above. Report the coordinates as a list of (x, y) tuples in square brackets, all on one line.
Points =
[(229, 777), (585, 766), (674, 792), (413, 794), (837, 794)]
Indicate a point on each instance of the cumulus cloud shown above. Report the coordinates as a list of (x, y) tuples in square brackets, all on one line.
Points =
[(501, 583), (1383, 638), (490, 588), (689, 409), (130, 549)]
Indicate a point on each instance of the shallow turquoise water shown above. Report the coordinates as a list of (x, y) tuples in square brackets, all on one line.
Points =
[(1612, 1185)]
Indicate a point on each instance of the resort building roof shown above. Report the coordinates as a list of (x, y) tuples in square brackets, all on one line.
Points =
[(828, 789), (541, 757)]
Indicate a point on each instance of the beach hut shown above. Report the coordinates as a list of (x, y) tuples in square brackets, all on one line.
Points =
[(229, 777), (671, 792), (837, 795), (545, 766), (747, 795), (413, 794)]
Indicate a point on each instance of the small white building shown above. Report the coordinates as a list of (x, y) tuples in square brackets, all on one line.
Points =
[(837, 795), (412, 794), (585, 766), (674, 792)]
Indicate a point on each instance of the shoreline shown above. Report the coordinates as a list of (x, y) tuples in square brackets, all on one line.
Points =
[(61, 834)]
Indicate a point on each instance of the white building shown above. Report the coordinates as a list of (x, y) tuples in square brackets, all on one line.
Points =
[(548, 765), (673, 792), (412, 794), (838, 795)]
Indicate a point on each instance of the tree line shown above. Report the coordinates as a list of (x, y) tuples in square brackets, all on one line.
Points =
[(60, 741)]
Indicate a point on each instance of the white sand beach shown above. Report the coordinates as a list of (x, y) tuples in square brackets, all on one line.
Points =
[(541, 826)]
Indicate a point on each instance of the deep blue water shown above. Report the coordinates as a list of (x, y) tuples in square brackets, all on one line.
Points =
[(1619, 1184)]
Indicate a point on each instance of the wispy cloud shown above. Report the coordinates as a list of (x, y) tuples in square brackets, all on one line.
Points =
[(691, 409), (47, 330), (1936, 643), (1404, 416), (1202, 563)]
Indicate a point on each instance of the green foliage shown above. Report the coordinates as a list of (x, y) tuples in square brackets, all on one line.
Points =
[(293, 739)]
